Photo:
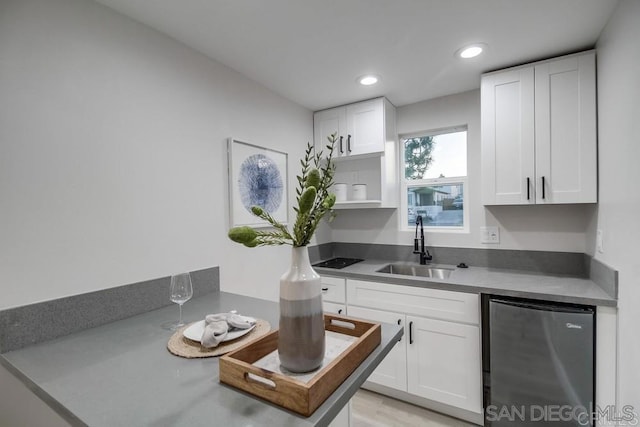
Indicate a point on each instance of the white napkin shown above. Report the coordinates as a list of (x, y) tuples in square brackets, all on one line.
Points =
[(214, 332), (217, 326)]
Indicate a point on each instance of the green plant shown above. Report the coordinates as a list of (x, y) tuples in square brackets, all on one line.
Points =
[(418, 156), (313, 198)]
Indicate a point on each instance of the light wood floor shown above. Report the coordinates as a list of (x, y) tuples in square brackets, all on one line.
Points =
[(375, 410)]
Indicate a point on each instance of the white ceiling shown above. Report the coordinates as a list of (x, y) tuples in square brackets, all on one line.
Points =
[(312, 51)]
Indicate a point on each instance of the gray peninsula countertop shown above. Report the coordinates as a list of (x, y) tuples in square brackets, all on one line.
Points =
[(121, 374), (523, 284)]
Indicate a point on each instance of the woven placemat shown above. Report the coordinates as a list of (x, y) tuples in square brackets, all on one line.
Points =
[(184, 347)]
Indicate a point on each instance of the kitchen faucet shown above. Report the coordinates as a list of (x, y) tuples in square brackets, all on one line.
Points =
[(424, 255)]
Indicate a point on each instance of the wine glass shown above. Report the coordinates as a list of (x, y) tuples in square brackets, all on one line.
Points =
[(181, 292)]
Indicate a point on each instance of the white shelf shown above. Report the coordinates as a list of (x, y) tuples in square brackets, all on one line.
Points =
[(358, 204), (338, 159)]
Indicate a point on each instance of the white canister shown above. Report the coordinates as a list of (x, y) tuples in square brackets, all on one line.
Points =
[(359, 191), (340, 190)]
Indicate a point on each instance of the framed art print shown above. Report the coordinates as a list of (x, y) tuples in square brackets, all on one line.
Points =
[(257, 177)]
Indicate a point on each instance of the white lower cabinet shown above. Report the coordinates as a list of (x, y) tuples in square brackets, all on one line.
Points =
[(443, 359), (439, 356), (333, 289), (392, 371), (333, 295), (332, 307)]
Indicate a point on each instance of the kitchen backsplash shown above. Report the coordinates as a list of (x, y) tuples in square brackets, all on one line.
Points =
[(33, 323), (573, 264)]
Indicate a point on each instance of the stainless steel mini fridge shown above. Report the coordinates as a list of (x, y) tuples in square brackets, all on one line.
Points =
[(538, 363)]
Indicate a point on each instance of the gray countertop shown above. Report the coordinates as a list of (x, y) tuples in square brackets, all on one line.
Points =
[(487, 280), (121, 374)]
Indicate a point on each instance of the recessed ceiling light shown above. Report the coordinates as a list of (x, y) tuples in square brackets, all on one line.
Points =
[(368, 80), (471, 51)]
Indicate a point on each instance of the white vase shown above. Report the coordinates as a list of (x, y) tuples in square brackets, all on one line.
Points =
[(301, 331)]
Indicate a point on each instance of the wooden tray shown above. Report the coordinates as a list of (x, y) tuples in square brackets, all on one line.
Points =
[(237, 368)]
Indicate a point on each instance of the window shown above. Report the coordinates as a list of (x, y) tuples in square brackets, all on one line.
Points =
[(435, 179)]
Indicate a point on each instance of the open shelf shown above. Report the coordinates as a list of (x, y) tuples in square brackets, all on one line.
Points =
[(357, 204)]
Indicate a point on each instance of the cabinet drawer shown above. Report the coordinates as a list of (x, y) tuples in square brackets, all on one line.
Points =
[(333, 289), (433, 303)]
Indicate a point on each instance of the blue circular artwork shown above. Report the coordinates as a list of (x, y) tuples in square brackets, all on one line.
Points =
[(260, 183)]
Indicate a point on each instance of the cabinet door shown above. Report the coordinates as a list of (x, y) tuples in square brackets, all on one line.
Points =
[(392, 371), (327, 122), (333, 289), (332, 307), (365, 127), (565, 110), (443, 361), (508, 137)]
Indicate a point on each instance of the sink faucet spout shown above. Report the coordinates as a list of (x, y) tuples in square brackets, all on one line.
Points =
[(424, 254)]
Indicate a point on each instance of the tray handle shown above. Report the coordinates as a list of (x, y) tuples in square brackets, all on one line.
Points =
[(346, 325), (260, 381), (342, 324)]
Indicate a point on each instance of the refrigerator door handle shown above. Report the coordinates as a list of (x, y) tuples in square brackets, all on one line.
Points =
[(543, 306)]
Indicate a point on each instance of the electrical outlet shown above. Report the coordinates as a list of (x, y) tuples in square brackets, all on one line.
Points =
[(490, 235), (599, 242)]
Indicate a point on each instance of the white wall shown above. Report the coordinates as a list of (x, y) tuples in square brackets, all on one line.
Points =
[(113, 155), (619, 175), (549, 228)]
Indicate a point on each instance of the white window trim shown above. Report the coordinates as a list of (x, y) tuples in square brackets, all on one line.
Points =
[(403, 217)]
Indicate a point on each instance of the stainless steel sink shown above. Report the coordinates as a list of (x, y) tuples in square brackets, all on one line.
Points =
[(416, 270)]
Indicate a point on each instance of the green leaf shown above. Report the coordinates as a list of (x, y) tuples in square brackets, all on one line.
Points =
[(306, 199), (251, 244), (242, 234), (313, 179)]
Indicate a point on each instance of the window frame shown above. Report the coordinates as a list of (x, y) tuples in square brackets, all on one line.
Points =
[(405, 184)]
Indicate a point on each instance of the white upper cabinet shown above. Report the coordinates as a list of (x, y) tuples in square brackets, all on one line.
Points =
[(365, 151), (539, 133), (360, 127), (566, 150), (327, 122), (365, 127), (508, 141)]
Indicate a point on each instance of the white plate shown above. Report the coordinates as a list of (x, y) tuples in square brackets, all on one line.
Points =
[(194, 332)]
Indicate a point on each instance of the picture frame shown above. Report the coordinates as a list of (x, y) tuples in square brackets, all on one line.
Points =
[(257, 176)]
